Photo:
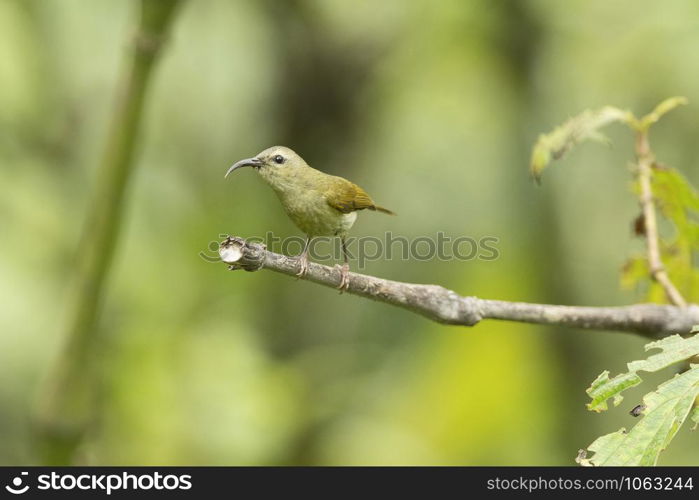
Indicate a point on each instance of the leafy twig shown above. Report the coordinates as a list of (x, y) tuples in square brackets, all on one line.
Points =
[(655, 263), (586, 126)]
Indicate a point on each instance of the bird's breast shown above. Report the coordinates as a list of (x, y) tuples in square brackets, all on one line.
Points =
[(312, 214)]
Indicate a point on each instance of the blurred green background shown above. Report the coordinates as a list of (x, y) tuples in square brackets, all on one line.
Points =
[(432, 107)]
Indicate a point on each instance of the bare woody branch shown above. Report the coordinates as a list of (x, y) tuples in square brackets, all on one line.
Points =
[(446, 306)]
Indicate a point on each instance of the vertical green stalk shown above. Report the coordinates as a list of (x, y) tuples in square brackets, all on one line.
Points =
[(68, 405)]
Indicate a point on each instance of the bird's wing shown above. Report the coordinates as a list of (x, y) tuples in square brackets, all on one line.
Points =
[(348, 197)]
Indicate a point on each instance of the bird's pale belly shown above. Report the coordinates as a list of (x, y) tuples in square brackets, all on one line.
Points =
[(318, 219)]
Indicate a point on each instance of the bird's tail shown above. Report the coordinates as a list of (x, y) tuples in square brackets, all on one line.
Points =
[(384, 210)]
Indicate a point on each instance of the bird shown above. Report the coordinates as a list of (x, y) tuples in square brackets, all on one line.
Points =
[(319, 204)]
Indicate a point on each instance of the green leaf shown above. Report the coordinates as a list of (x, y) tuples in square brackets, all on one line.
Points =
[(675, 196), (666, 410), (678, 202), (604, 447), (634, 272), (674, 349), (663, 412), (603, 388), (664, 107), (584, 126)]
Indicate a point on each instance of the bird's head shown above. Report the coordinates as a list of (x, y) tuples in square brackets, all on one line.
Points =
[(273, 163)]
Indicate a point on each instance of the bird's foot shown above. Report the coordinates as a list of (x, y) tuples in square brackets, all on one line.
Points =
[(303, 266), (344, 277)]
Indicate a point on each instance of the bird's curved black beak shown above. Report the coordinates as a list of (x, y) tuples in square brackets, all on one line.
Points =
[(247, 162)]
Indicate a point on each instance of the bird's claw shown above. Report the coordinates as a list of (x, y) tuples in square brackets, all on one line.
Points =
[(303, 267), (344, 278)]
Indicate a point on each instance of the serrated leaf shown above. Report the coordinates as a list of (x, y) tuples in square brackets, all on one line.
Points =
[(674, 349), (663, 410), (678, 202), (604, 388), (604, 448), (664, 107), (666, 410), (584, 126)]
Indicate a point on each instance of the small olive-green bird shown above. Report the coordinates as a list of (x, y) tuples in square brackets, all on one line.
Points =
[(319, 204)]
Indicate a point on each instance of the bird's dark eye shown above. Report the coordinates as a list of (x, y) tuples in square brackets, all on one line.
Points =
[(278, 159)]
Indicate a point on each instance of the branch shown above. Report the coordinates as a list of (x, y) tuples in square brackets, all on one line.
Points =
[(446, 306), (655, 263)]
